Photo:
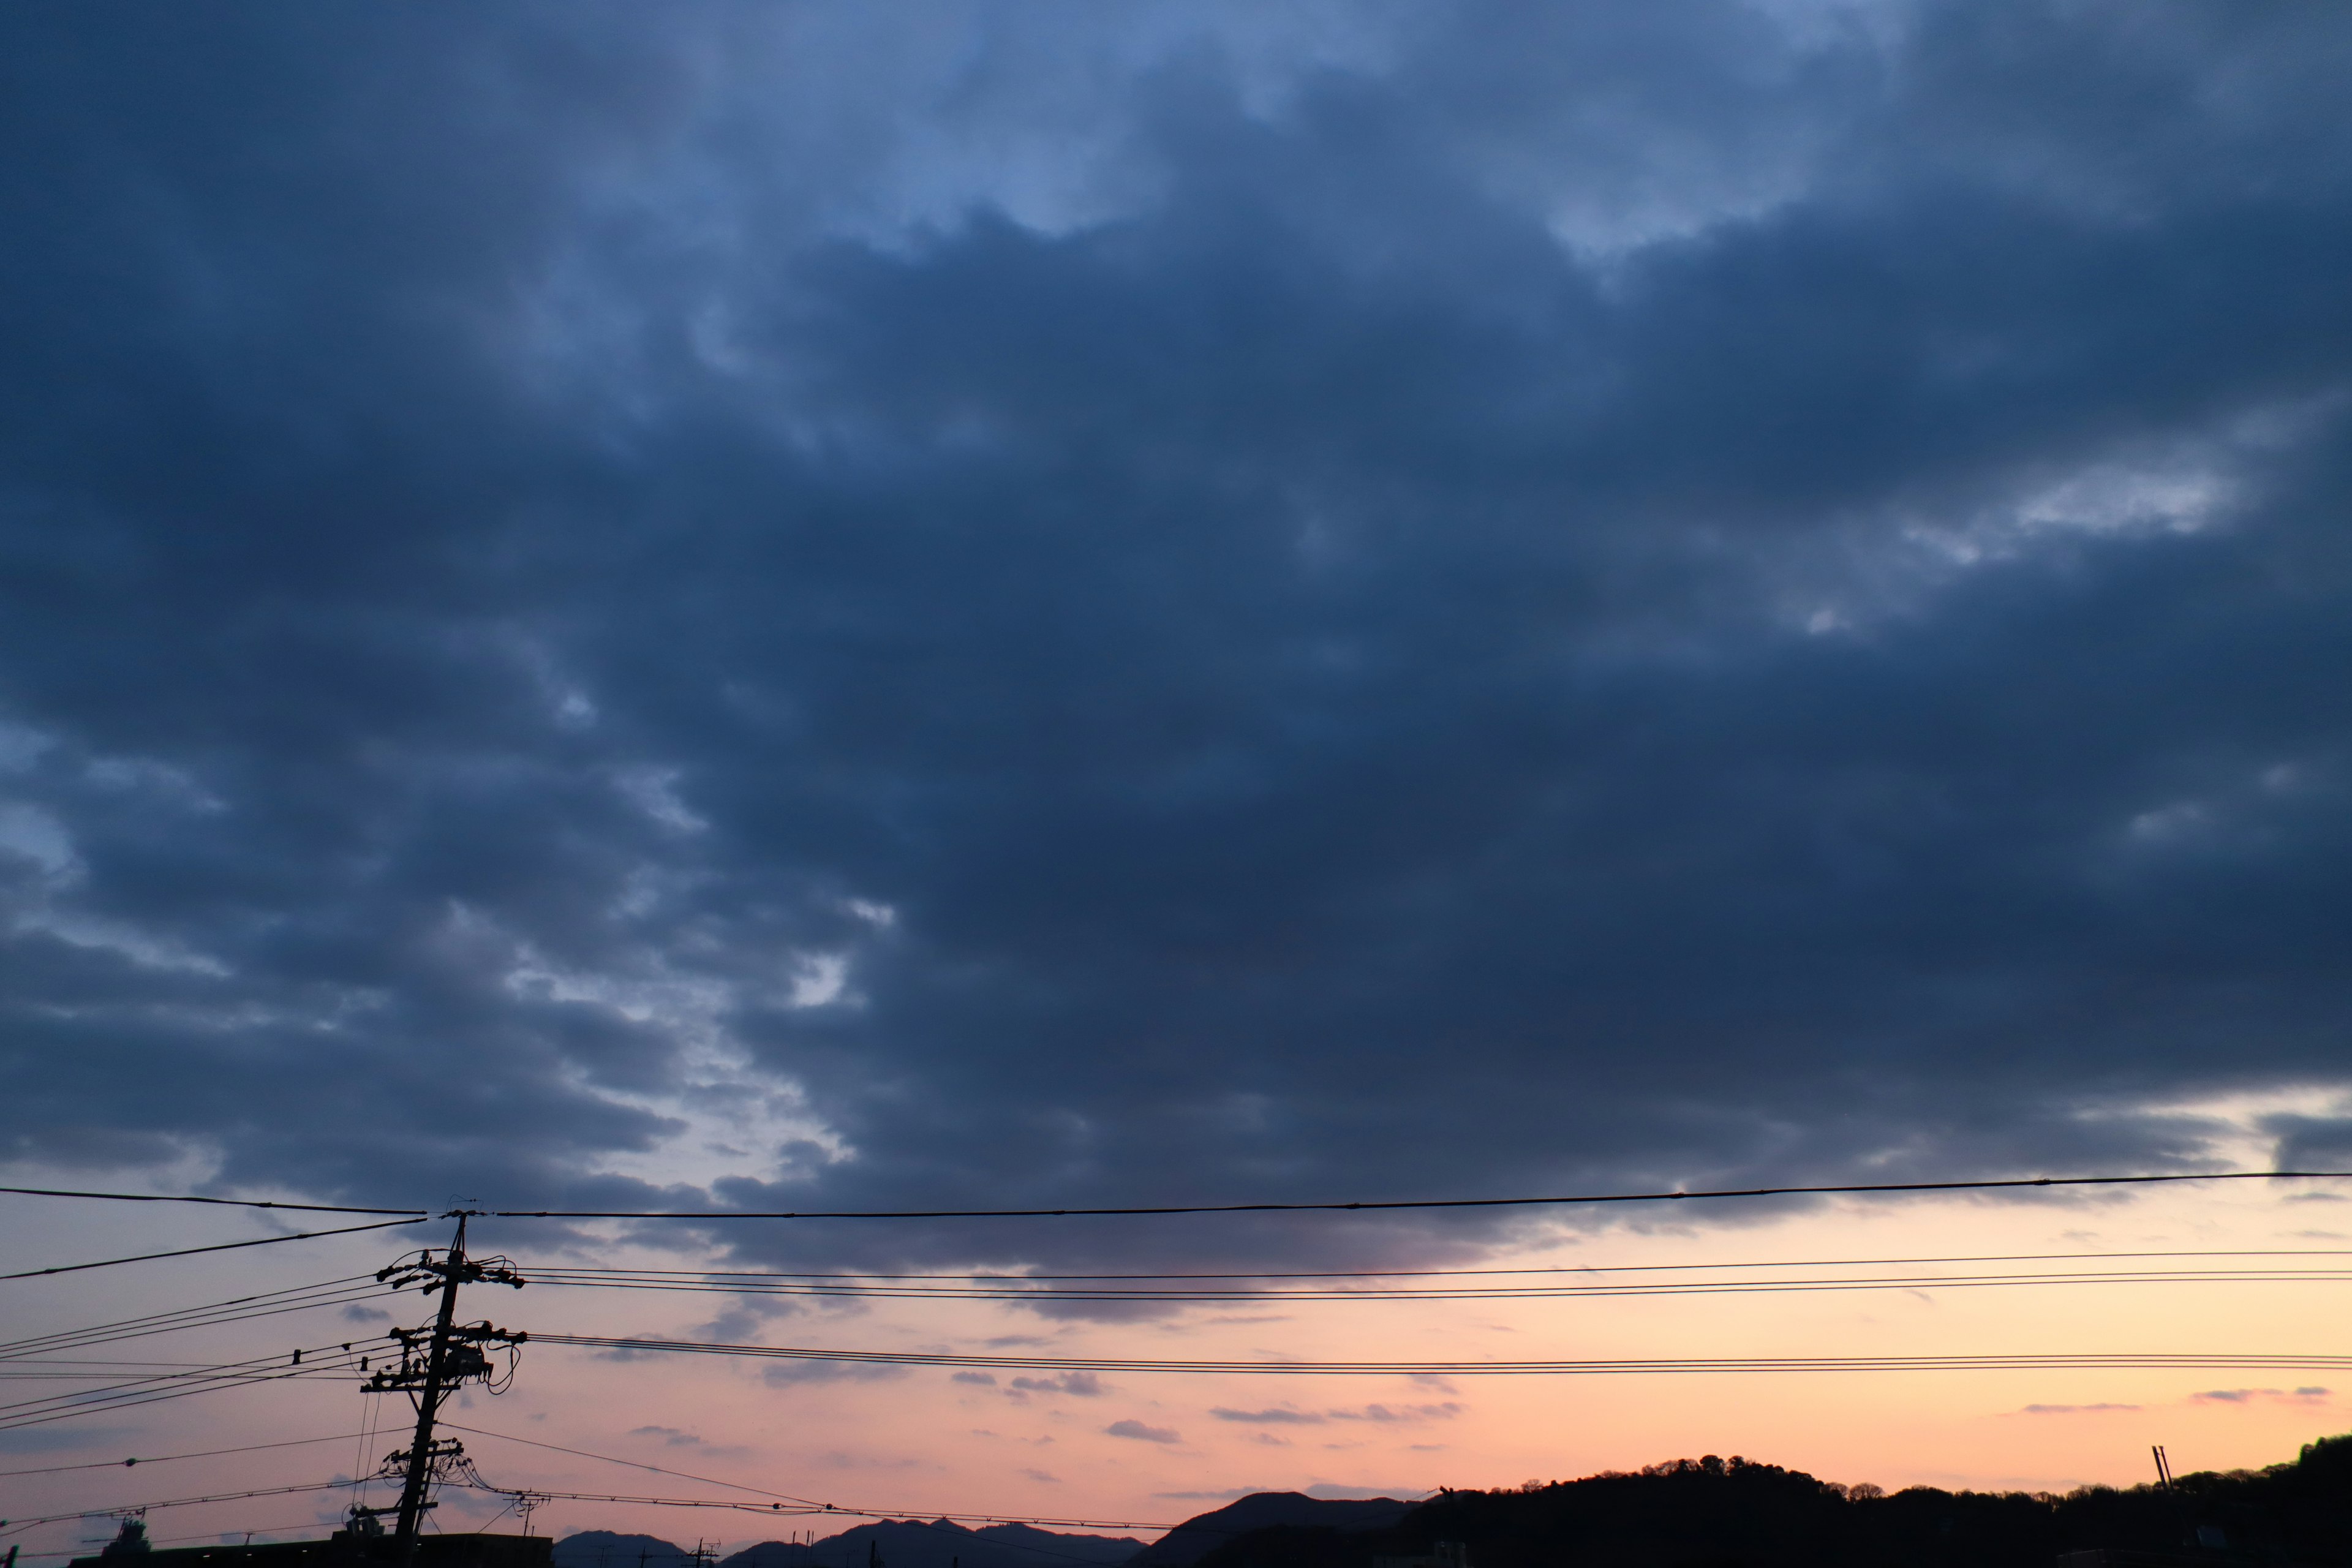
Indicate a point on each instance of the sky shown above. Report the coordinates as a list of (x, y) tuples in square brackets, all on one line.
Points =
[(803, 605)]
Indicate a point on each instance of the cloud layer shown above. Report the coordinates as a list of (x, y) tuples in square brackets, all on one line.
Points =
[(1069, 607)]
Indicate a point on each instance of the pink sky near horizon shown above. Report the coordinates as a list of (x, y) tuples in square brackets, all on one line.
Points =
[(1154, 1448)]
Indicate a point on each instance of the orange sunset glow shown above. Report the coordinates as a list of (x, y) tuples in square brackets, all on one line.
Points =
[(1204, 784)]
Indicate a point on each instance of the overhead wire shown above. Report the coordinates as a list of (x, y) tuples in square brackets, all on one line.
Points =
[(179, 1502), (239, 1309), (632, 1464), (1566, 1366), (1392, 1204), (329, 1361), (806, 1506), (1596, 1290), (1814, 1190), (36, 1343), (790, 1510), (538, 1270), (218, 1246), (223, 1202), (170, 1459)]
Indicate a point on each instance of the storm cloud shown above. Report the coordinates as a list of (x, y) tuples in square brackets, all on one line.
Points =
[(1053, 606)]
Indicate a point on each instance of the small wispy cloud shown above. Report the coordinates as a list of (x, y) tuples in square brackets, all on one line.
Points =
[(1400, 1412), (1077, 1384), (791, 1373), (1143, 1434), (677, 1438), (670, 1436), (2304, 1396)]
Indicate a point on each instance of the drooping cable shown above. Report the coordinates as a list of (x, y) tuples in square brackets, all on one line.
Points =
[(218, 1246), (241, 1309), (325, 1361), (182, 1502), (800, 1505), (1354, 1206), (537, 1270), (170, 1459), (1014, 1290), (1568, 1366), (1825, 1190), (411, 1210), (802, 1509)]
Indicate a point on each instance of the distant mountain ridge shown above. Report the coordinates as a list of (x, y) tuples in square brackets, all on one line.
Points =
[(942, 1543), (1204, 1534), (606, 1549), (901, 1544)]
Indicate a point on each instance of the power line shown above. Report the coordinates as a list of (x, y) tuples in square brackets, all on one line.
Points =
[(632, 1464), (295, 1299), (804, 1505), (219, 1246), (226, 1203), (28, 1345), (176, 1502), (329, 1362), (169, 1458), (538, 1270), (1522, 1292), (1422, 1203), (303, 1374), (1475, 1368), (192, 1381), (1136, 1211), (824, 1508)]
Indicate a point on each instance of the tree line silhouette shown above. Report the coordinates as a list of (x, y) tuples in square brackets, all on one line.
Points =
[(1736, 1513)]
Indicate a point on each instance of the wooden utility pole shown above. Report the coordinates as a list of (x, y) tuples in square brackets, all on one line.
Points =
[(433, 1362)]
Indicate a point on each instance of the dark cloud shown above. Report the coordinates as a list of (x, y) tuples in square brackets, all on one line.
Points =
[(2249, 1395), (1079, 1384), (1141, 1433), (795, 1373), (1456, 602)]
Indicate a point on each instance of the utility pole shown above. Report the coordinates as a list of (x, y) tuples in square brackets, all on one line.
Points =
[(451, 1355)]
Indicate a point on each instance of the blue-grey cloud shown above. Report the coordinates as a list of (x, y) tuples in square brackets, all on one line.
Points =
[(1143, 1433), (1287, 603)]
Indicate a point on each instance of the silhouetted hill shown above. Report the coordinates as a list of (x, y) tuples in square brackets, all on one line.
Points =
[(909, 1543), (603, 1549), (1712, 1513), (1202, 1534)]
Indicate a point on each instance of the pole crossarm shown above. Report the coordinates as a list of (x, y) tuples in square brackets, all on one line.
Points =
[(433, 1362)]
